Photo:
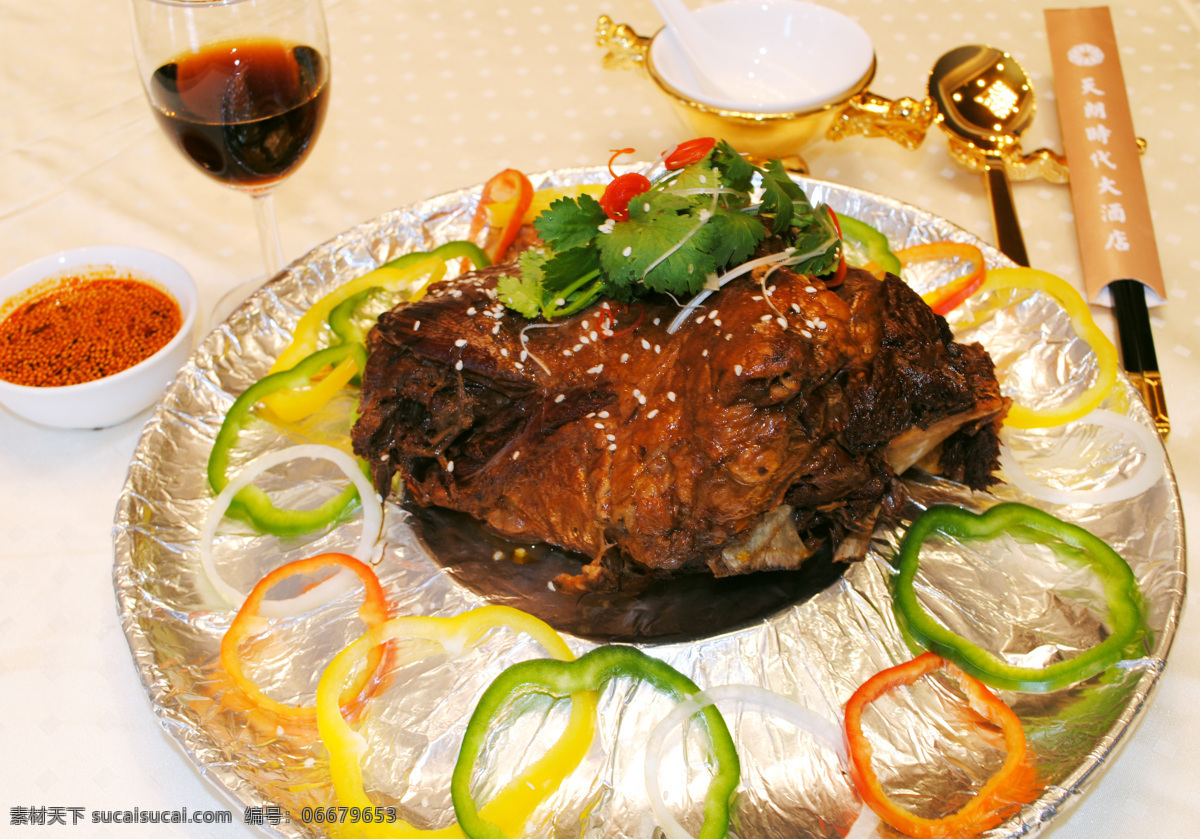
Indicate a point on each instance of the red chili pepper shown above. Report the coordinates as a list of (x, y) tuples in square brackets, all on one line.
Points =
[(632, 326), (615, 154), (688, 152), (608, 318), (618, 194), (622, 188), (504, 186), (839, 275)]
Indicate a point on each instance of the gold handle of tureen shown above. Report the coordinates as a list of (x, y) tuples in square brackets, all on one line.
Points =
[(907, 120), (1043, 163), (626, 48), (903, 120)]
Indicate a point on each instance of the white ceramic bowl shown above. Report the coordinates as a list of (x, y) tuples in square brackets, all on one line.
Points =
[(828, 51), (121, 396)]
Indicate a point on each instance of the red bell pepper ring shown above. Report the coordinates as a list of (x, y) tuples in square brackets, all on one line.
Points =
[(1012, 785), (503, 186), (248, 622)]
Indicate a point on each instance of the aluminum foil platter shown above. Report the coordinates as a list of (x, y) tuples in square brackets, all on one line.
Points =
[(814, 638)]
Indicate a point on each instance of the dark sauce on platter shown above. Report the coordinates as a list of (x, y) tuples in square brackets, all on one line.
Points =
[(685, 608), (246, 112)]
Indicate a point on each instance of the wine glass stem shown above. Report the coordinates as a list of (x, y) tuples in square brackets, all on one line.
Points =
[(268, 231)]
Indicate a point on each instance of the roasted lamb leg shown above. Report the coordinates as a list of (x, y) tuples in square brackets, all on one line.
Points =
[(777, 417)]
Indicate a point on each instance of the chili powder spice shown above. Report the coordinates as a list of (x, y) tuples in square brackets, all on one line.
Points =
[(85, 328)]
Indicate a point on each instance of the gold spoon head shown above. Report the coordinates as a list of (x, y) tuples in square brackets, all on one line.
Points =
[(982, 96)]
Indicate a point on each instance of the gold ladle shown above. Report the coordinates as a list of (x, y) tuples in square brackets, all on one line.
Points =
[(984, 102)]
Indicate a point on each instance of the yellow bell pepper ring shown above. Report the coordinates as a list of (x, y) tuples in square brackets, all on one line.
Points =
[(1021, 416), (308, 329), (498, 213), (288, 406), (414, 272), (515, 803)]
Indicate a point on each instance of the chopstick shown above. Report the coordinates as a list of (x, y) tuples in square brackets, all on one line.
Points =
[(1137, 348), (1134, 263)]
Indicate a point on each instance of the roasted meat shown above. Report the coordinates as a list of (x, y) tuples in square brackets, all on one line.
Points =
[(777, 417)]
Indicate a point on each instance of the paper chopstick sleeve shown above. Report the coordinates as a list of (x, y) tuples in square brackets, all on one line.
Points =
[(1112, 212)]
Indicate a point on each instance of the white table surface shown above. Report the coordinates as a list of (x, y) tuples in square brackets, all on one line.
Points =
[(428, 96)]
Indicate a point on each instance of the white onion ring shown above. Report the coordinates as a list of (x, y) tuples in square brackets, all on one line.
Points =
[(764, 700), (1146, 476), (334, 586)]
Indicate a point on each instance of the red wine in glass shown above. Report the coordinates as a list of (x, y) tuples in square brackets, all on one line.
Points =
[(241, 88), (245, 112)]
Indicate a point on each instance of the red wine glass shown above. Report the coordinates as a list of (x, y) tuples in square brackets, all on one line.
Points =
[(241, 87)]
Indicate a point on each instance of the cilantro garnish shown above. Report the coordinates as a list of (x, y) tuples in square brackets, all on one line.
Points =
[(691, 226), (570, 223)]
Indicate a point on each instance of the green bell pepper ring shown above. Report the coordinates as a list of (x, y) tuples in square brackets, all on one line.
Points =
[(341, 319), (591, 672), (395, 275), (867, 244), (347, 331), (341, 316), (1071, 543), (252, 504), (456, 249)]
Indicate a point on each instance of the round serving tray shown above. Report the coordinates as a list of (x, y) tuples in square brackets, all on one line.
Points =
[(814, 640)]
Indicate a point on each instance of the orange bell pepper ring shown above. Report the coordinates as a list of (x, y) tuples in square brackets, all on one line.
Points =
[(249, 622), (509, 185), (1010, 786), (947, 298)]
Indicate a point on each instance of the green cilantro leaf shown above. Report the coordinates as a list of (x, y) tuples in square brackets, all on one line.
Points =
[(677, 235), (819, 236), (736, 234), (819, 265), (776, 173), (627, 254), (661, 201), (570, 223), (776, 205), (525, 293), (685, 270), (698, 175), (736, 172), (565, 268), (521, 294)]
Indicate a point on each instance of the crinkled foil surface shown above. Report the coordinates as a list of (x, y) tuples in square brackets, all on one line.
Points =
[(814, 642)]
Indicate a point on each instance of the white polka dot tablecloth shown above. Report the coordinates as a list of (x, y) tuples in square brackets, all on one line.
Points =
[(429, 96)]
